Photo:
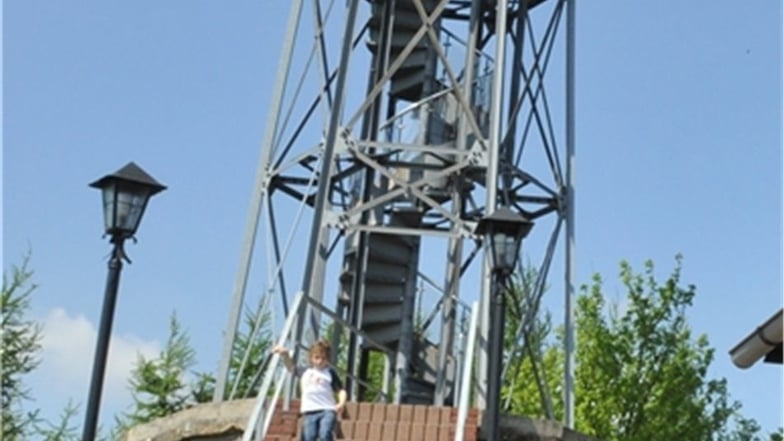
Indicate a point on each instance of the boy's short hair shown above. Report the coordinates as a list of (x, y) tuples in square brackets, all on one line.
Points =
[(320, 348)]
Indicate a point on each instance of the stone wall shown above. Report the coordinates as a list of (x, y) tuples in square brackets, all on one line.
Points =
[(226, 421), (206, 422), (515, 428)]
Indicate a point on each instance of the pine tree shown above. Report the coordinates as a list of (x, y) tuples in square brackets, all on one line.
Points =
[(159, 386), (21, 345), (64, 430)]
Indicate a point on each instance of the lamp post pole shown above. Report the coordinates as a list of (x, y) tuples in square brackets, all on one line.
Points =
[(102, 344), (495, 356)]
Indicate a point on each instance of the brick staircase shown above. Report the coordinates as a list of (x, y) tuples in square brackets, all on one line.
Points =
[(380, 422)]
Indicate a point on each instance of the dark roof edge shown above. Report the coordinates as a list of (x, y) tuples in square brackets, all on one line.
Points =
[(765, 339)]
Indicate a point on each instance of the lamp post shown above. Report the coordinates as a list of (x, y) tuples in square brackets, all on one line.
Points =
[(502, 233), (125, 196)]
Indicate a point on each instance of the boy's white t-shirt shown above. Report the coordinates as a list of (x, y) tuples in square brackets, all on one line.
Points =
[(318, 387)]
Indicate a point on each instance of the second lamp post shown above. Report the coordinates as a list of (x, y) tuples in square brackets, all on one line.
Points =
[(502, 233)]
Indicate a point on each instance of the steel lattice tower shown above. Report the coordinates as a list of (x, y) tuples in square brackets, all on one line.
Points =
[(394, 126)]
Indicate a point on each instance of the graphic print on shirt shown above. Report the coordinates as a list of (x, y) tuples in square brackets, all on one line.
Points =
[(316, 379), (318, 387)]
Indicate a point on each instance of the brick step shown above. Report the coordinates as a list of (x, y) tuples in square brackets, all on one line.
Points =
[(380, 422)]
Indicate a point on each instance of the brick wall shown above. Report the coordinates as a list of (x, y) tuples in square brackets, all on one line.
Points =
[(380, 422)]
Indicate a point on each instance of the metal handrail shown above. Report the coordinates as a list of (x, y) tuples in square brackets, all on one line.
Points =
[(411, 107), (274, 363), (468, 363)]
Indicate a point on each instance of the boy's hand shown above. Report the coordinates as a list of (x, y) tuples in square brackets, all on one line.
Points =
[(285, 356), (341, 402)]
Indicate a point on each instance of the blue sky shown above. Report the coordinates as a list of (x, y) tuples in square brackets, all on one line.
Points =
[(679, 140)]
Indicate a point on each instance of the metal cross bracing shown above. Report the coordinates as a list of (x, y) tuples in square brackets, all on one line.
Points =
[(394, 126)]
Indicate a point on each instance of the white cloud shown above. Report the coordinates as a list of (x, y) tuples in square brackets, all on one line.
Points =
[(68, 349)]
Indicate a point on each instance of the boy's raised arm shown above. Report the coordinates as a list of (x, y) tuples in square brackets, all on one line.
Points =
[(284, 354)]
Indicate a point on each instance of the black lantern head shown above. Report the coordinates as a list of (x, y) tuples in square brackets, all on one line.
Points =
[(125, 196), (503, 230)]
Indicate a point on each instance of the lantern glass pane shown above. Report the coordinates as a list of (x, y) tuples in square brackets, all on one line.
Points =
[(510, 253), (504, 252), (498, 250), (108, 207), (130, 206)]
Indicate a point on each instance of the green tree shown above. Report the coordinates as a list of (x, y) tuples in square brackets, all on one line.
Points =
[(641, 374), (64, 430), (159, 386), (21, 348), (644, 366), (20, 352), (250, 353)]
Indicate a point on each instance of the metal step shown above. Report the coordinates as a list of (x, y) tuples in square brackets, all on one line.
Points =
[(408, 5), (381, 313), (419, 391), (385, 248), (377, 275), (400, 39), (408, 86), (386, 334), (375, 292), (404, 19)]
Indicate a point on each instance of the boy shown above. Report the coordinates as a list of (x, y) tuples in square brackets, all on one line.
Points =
[(318, 385)]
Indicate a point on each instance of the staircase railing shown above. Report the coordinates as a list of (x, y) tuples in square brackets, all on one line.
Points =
[(460, 345), (275, 376), (464, 400), (392, 130)]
